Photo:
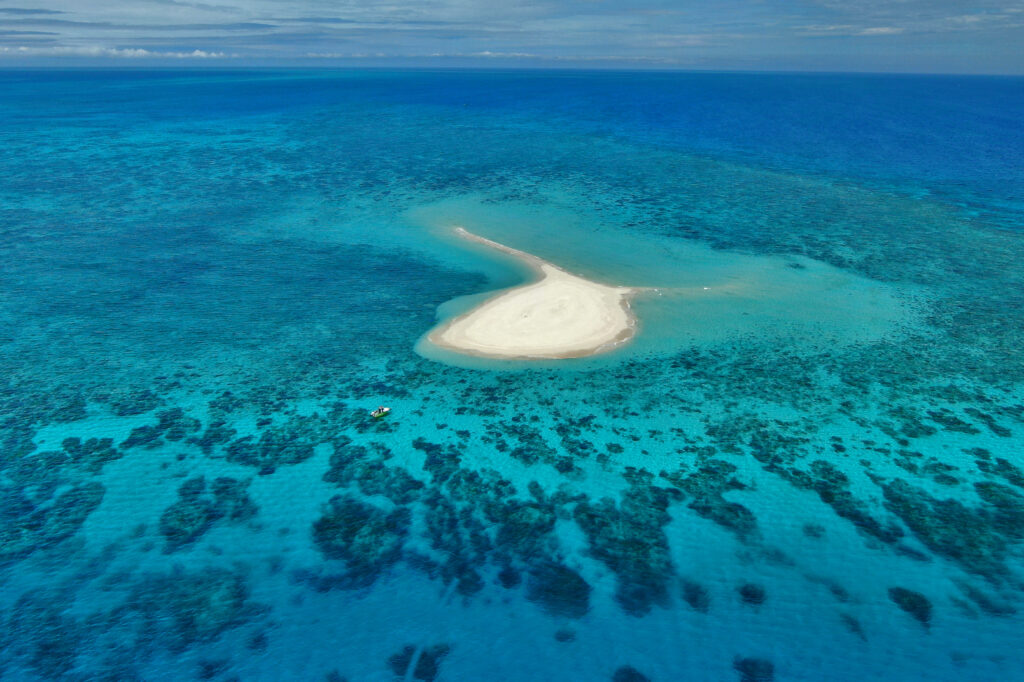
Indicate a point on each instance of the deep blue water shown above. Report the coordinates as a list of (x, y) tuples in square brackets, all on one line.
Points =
[(814, 472)]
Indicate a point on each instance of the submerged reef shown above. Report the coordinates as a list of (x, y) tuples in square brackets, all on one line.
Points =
[(92, 453), (628, 673), (708, 487), (832, 487), (367, 538), (277, 446), (976, 538), (365, 466), (754, 669), (182, 609), (696, 595), (752, 594), (630, 539), (132, 402), (32, 523), (423, 663), (172, 425), (43, 635), (560, 590), (914, 603), (146, 618), (402, 495), (199, 507)]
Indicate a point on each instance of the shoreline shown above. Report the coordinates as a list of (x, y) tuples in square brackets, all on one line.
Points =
[(556, 316)]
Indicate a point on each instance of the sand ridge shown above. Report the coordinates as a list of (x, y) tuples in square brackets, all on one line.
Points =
[(560, 315)]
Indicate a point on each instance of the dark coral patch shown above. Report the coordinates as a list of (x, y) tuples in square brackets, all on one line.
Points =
[(29, 526), (145, 437), (134, 402), (92, 453), (176, 425), (197, 509), (914, 603), (754, 669), (629, 539), (441, 461), (832, 487), (853, 625), (975, 538), (365, 467), (628, 673), (217, 433), (277, 446), (425, 662), (365, 537), (1007, 470), (993, 606), (708, 485), (565, 635), (50, 639), (696, 595), (560, 590), (182, 609), (752, 593)]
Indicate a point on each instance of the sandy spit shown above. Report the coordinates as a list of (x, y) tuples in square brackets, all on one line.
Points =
[(558, 316)]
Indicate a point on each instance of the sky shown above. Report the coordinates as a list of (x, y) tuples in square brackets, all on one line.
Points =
[(931, 36)]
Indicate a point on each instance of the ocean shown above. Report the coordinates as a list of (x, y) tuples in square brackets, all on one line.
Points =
[(812, 469)]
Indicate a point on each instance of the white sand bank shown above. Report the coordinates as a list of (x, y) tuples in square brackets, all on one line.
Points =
[(558, 316)]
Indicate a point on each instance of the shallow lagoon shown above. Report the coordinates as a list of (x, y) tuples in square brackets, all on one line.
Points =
[(695, 296), (813, 473)]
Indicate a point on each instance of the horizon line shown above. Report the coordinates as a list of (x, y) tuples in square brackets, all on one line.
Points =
[(561, 67)]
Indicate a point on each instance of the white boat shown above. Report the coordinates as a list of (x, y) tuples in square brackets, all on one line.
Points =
[(380, 412)]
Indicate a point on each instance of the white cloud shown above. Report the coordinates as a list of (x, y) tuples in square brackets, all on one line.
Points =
[(345, 55), (830, 28), (506, 55), (488, 54), (744, 32), (849, 30), (881, 31), (96, 51)]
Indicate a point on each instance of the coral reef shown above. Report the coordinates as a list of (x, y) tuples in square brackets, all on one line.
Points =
[(33, 524), (49, 639), (289, 443), (365, 537), (752, 593), (853, 625), (628, 673), (754, 669), (365, 467), (832, 487), (914, 603), (630, 540), (197, 509), (696, 595), (92, 453), (132, 402), (533, 481), (708, 485), (181, 609), (427, 665), (969, 536), (560, 590)]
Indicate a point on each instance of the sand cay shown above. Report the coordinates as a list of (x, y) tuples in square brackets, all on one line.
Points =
[(558, 316)]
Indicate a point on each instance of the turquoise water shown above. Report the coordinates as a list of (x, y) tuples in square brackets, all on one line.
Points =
[(807, 466)]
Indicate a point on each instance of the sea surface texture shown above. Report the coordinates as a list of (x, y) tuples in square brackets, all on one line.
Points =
[(809, 464)]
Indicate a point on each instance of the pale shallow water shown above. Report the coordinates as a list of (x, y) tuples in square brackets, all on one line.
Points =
[(811, 470)]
